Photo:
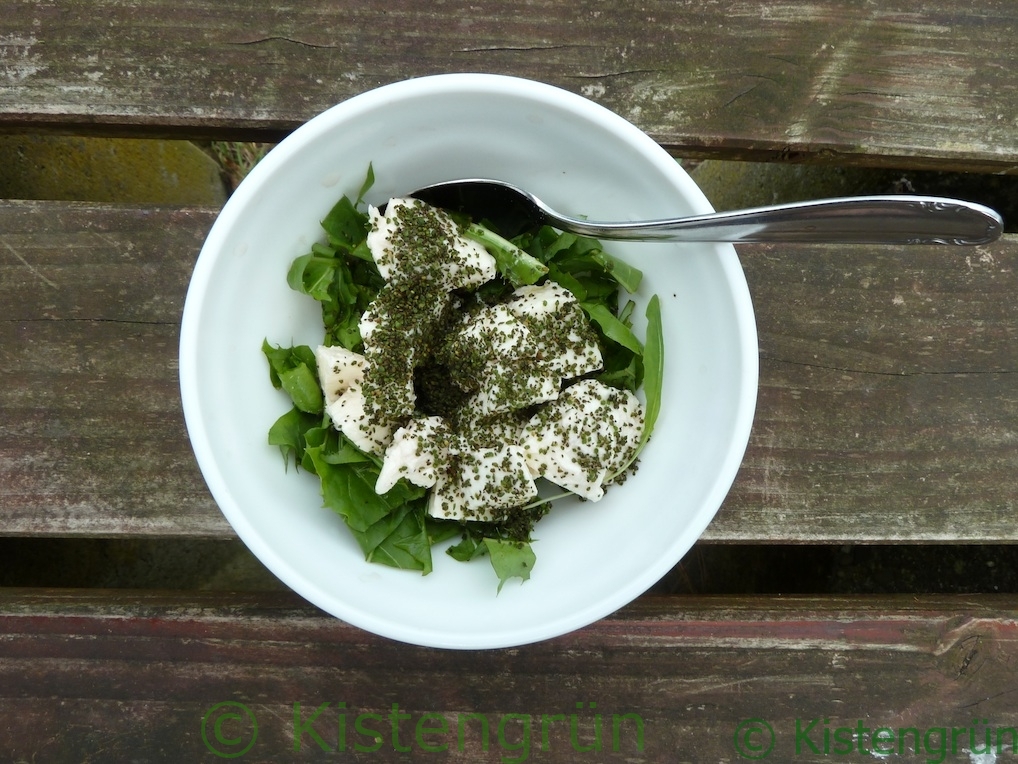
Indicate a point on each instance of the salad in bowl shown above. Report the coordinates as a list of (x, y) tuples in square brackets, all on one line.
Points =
[(458, 368), (458, 386)]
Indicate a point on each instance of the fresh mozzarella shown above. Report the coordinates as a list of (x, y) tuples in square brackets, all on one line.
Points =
[(341, 375), (338, 369), (490, 431), (395, 240), (540, 301), (403, 303), (583, 437), (493, 332), (416, 452), (496, 355), (504, 389), (352, 415), (367, 325), (556, 321), (480, 484)]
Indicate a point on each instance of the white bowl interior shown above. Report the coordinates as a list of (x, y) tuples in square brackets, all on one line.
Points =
[(591, 558)]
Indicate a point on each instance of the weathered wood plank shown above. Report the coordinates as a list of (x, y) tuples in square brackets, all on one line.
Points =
[(133, 675), (92, 439), (887, 407), (899, 83)]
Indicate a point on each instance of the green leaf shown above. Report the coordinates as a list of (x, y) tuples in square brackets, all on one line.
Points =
[(623, 369), (626, 275), (363, 252), (568, 281), (347, 492), (398, 539), (653, 364), (626, 314), (406, 546), (370, 538), (294, 370), (510, 559), (613, 329), (345, 225), (653, 379), (333, 447), (441, 530), (349, 489), (279, 359), (289, 433), (556, 242), (369, 181), (470, 548), (302, 385), (313, 275), (322, 250)]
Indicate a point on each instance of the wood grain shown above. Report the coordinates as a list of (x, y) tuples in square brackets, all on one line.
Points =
[(92, 438), (887, 409), (902, 83), (118, 676)]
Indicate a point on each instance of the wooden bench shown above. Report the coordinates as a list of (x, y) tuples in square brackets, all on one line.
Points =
[(887, 408)]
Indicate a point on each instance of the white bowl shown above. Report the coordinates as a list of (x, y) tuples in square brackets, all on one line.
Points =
[(592, 558)]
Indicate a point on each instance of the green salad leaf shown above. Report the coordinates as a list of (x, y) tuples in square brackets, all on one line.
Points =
[(469, 548), (342, 275), (653, 379), (389, 528), (612, 327), (654, 360), (289, 434), (510, 559), (295, 371), (403, 541)]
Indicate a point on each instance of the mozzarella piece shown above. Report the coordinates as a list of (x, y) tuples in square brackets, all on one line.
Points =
[(584, 436), (341, 375), (561, 328), (351, 415), (411, 303), (338, 369), (417, 451), (482, 484), (394, 239), (493, 332), (491, 431), (504, 388), (367, 325), (540, 301), (495, 355)]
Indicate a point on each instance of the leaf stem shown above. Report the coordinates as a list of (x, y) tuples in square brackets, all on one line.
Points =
[(517, 266)]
